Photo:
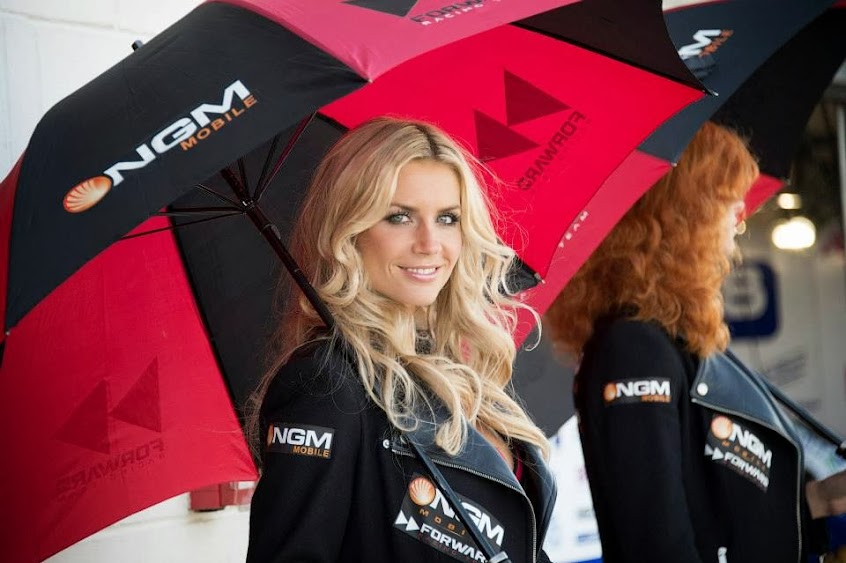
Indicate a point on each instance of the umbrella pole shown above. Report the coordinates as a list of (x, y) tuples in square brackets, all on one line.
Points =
[(271, 234)]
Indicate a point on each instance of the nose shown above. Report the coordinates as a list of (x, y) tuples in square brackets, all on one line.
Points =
[(426, 240)]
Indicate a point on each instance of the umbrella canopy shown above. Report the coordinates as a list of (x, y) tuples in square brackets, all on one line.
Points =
[(768, 62), (214, 86), (122, 344)]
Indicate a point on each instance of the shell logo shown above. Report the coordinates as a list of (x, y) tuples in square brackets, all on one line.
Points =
[(721, 427), (609, 392), (421, 491), (87, 194)]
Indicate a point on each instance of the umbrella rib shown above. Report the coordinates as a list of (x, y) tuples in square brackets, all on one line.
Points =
[(243, 173), (221, 197), (266, 166), (174, 227), (284, 155), (234, 183), (183, 211)]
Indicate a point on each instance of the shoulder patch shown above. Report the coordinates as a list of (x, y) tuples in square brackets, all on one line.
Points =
[(300, 439), (628, 391)]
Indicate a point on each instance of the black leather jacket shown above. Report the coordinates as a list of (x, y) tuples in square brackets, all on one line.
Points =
[(688, 460), (350, 488)]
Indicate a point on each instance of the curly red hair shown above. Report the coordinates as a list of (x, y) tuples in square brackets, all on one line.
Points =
[(664, 260)]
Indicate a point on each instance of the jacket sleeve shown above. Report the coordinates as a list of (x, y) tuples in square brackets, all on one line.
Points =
[(630, 384), (300, 508)]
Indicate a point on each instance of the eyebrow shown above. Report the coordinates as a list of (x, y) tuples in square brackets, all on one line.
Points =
[(414, 209)]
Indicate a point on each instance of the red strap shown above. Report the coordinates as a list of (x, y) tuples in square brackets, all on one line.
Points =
[(518, 467)]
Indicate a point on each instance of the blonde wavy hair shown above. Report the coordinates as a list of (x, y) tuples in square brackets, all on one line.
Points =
[(664, 261), (469, 364)]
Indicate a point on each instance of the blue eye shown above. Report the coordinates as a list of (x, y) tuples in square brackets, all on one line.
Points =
[(398, 218), (448, 219)]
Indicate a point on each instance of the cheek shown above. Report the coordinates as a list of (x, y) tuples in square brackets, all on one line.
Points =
[(369, 250), (455, 243)]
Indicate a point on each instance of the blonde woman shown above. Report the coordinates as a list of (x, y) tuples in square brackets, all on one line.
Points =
[(396, 237), (687, 455)]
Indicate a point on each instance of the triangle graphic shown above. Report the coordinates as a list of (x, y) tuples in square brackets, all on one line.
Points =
[(717, 454), (412, 525), (393, 7), (88, 425), (495, 140), (708, 450), (141, 405), (525, 101), (400, 521)]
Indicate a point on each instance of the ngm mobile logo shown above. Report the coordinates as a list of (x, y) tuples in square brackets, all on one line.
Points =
[(430, 16), (300, 439), (427, 516), (730, 444), (186, 132), (656, 390), (706, 42)]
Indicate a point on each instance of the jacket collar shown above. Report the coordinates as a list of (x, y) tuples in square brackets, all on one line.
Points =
[(478, 456), (725, 384)]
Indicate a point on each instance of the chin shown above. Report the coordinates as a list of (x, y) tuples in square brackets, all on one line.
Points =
[(418, 301)]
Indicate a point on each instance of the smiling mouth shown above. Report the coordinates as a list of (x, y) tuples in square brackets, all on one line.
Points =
[(428, 271)]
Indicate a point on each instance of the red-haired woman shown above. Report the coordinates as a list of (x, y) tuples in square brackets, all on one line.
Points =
[(689, 459)]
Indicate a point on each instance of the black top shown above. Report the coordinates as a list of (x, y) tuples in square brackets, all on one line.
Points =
[(340, 484), (688, 460)]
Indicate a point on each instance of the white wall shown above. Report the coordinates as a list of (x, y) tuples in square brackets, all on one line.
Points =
[(166, 533), (49, 48)]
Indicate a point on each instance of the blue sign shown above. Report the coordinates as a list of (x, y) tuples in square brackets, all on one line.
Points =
[(751, 305)]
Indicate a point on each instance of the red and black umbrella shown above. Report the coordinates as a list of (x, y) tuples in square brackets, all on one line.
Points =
[(768, 62), (127, 346)]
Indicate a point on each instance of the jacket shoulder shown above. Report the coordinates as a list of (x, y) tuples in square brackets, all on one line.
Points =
[(625, 334), (318, 370), (632, 348)]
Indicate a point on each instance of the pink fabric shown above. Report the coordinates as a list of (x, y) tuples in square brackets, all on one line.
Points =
[(371, 41), (638, 172)]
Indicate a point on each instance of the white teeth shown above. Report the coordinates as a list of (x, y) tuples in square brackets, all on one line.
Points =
[(421, 271)]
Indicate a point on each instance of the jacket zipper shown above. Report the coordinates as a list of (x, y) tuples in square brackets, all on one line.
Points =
[(489, 478), (789, 439)]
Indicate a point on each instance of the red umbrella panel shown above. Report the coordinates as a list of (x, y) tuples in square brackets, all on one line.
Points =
[(114, 401), (136, 354), (769, 64)]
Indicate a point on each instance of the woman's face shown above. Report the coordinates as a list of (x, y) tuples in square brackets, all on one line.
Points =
[(734, 216), (410, 254)]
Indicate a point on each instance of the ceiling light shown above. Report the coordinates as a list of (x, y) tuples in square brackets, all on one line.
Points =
[(789, 201), (797, 233)]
